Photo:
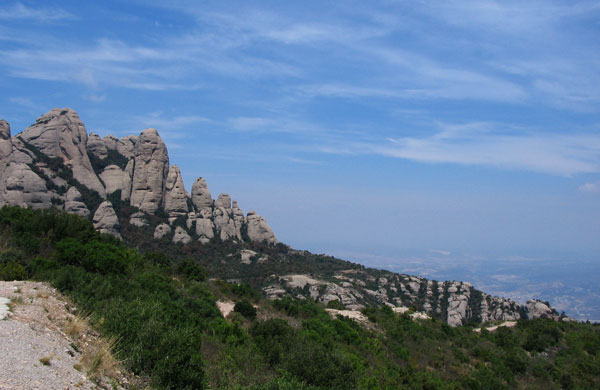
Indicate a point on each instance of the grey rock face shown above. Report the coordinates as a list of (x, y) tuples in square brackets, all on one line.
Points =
[(238, 215), (224, 201), (176, 196), (105, 219), (20, 154), (200, 194), (60, 133), (95, 145), (259, 230), (126, 181), (539, 309), (204, 229), (22, 187), (5, 139), (457, 303), (110, 141), (161, 230), (138, 219), (6, 145), (151, 166), (126, 145), (181, 236), (74, 203), (246, 255), (112, 176), (225, 224)]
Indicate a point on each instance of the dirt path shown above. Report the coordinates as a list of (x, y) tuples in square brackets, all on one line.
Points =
[(35, 350)]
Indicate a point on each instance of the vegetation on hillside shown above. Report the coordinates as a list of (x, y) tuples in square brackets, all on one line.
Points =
[(161, 309)]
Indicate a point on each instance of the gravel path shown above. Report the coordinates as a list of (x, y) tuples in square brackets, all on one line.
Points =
[(34, 352)]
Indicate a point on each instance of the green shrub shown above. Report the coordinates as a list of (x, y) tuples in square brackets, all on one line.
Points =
[(335, 304), (12, 271), (245, 308), (191, 270)]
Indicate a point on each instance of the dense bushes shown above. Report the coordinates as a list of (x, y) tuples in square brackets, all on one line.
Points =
[(163, 313)]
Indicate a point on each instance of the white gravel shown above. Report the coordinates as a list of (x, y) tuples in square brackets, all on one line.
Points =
[(4, 312), (30, 335)]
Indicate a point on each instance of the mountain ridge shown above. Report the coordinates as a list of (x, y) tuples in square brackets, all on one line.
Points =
[(128, 188)]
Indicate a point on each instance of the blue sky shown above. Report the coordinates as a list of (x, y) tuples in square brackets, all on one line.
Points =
[(376, 131)]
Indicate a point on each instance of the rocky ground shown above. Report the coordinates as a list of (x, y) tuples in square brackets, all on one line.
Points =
[(44, 345)]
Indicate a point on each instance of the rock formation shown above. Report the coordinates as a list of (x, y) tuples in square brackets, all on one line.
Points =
[(96, 146), (6, 145), (105, 219), (138, 219), (126, 145), (176, 197), (259, 230), (162, 230), (181, 236), (74, 203), (60, 133), (201, 197), (110, 141), (22, 187), (47, 164), (112, 177), (151, 166)]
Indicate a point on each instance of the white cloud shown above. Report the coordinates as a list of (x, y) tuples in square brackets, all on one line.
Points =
[(488, 144), (22, 101), (20, 11), (592, 188)]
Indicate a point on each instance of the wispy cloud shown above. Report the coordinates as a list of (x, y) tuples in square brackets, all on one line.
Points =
[(489, 144), (19, 11), (592, 188)]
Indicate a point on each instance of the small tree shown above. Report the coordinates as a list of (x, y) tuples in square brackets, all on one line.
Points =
[(245, 308)]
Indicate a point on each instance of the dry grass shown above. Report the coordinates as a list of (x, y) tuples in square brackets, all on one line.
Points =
[(98, 360), (42, 295), (76, 327), (46, 360)]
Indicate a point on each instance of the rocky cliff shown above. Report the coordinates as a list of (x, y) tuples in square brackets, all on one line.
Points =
[(56, 163)]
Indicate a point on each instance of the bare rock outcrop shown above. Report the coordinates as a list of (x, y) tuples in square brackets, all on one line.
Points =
[(6, 145), (181, 236), (224, 201), (201, 197), (60, 133), (95, 145), (162, 230), (259, 230), (126, 145), (539, 309), (147, 182), (110, 141), (151, 166), (225, 224), (74, 203), (112, 176), (105, 219), (176, 196), (138, 219), (204, 229), (23, 187), (126, 181)]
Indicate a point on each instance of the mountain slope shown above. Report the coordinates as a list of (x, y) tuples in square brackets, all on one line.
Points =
[(128, 188)]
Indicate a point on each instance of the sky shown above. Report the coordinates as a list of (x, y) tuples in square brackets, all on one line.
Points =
[(375, 131)]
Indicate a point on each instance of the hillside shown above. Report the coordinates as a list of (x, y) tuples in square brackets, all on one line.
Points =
[(128, 189), (164, 316)]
